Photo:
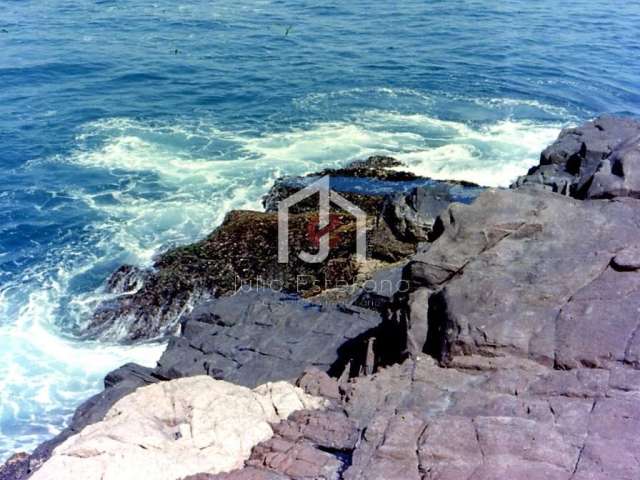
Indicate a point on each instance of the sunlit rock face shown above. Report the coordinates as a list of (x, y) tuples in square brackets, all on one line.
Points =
[(174, 429)]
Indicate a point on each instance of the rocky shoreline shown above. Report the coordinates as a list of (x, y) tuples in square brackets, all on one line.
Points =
[(493, 333)]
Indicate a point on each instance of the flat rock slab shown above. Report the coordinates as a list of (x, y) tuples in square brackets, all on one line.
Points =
[(259, 336), (517, 422)]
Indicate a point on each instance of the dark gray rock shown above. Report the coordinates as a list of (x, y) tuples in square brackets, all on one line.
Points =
[(412, 215), (131, 374), (378, 292), (619, 174), (16, 467), (254, 337), (596, 160)]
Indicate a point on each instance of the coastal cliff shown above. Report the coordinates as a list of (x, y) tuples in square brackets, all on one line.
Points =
[(494, 333)]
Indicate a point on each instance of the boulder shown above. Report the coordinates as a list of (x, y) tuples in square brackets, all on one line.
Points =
[(412, 215), (194, 425), (596, 160), (618, 175)]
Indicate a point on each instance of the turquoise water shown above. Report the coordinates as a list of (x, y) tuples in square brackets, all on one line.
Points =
[(127, 127)]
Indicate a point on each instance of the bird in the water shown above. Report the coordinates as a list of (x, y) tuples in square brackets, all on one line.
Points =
[(286, 32), (176, 51)]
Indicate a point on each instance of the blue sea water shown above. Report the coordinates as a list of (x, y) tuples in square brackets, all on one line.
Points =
[(130, 126)]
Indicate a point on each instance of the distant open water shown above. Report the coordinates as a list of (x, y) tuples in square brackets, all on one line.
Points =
[(130, 126)]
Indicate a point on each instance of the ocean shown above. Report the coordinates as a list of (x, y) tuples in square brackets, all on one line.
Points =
[(128, 127)]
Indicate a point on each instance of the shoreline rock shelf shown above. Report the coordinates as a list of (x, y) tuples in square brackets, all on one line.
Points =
[(514, 351)]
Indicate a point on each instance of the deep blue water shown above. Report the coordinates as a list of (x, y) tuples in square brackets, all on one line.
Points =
[(128, 126)]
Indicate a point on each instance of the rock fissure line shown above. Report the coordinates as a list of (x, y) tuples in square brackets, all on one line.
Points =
[(586, 439)]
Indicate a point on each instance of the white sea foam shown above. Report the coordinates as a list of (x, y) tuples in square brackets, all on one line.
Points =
[(43, 375), (491, 155)]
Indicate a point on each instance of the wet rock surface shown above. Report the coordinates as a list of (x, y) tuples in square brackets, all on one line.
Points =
[(17, 466), (244, 249)]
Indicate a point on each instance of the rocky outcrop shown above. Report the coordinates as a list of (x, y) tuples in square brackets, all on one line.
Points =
[(508, 346), (533, 275), (596, 160), (244, 249), (520, 338), (194, 425)]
